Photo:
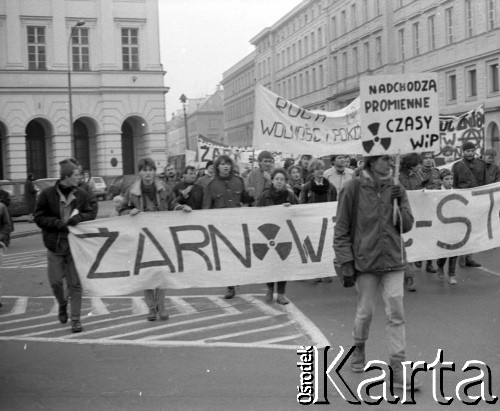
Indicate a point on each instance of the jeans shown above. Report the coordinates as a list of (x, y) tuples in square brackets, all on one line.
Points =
[(155, 298), (281, 286), (452, 263), (61, 266), (391, 285)]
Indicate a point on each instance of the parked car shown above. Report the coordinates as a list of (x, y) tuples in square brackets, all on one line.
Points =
[(15, 190), (99, 188), (119, 185)]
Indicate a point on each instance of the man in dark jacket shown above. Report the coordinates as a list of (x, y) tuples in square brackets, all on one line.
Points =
[(57, 208), (469, 172), (187, 192), (375, 252)]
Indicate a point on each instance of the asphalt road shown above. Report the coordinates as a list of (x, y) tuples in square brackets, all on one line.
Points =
[(214, 354)]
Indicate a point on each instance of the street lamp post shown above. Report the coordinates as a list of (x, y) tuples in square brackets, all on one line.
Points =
[(70, 97), (183, 100)]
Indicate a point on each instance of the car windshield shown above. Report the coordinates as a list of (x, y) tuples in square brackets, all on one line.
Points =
[(98, 180)]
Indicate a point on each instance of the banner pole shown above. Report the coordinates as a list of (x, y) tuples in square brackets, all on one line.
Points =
[(396, 181)]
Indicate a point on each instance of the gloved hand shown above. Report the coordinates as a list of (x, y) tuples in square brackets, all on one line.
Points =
[(348, 274), (72, 221), (397, 193), (62, 227)]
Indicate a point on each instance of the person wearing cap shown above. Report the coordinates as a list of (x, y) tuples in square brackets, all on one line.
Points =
[(338, 174), (469, 172), (260, 178), (492, 170), (59, 207)]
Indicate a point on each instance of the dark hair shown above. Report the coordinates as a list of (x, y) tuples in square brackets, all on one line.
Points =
[(146, 162), (187, 168), (369, 161), (353, 162), (288, 163), (410, 160), (223, 158), (289, 169), (314, 163), (445, 172), (263, 155), (209, 163), (279, 171), (423, 154), (334, 157)]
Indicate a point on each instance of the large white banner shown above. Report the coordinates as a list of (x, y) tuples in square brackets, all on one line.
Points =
[(211, 248), (280, 125)]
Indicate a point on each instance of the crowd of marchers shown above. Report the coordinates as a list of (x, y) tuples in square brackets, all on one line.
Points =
[(367, 242)]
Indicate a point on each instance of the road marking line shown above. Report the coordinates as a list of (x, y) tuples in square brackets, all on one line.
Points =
[(153, 344), (488, 271), (256, 330), (222, 303), (318, 338), (44, 252), (278, 339), (99, 307), (183, 306), (19, 320), (19, 307), (208, 327), (266, 308), (38, 325), (168, 326), (139, 306)]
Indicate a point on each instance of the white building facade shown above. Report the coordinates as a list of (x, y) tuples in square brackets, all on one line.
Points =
[(110, 52)]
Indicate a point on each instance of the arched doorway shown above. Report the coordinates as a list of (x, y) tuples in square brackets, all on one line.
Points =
[(81, 148), (128, 152), (36, 153)]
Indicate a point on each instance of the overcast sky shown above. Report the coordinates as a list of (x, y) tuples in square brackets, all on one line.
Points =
[(201, 39)]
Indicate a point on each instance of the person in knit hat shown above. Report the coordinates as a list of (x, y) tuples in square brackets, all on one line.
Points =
[(59, 207), (492, 169), (469, 172)]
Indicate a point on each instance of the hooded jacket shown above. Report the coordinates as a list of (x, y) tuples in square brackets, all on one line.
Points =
[(376, 247)]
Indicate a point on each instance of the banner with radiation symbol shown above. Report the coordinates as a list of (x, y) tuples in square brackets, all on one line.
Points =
[(250, 245)]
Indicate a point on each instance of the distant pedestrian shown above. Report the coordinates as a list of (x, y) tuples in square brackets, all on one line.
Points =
[(30, 192), (149, 194), (57, 208), (5, 230), (277, 194), (469, 172), (446, 176), (373, 253), (492, 169)]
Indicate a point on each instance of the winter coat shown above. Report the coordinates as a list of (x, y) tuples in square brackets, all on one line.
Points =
[(266, 198), (226, 192), (30, 195), (195, 196), (257, 180), (51, 215), (469, 174), (377, 242), (492, 173), (308, 196), (5, 225), (133, 198), (410, 180)]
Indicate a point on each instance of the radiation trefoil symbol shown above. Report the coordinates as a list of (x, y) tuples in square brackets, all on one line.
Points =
[(383, 141), (270, 231)]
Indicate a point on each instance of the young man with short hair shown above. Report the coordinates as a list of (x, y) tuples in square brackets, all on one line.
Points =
[(339, 174), (59, 207)]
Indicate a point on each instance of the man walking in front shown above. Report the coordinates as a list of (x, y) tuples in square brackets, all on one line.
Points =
[(57, 208), (374, 250)]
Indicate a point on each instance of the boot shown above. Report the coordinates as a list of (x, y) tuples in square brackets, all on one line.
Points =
[(282, 299), (76, 326), (398, 380), (411, 284), (151, 315), (63, 313), (430, 268), (358, 358), (269, 295), (230, 293), (469, 262)]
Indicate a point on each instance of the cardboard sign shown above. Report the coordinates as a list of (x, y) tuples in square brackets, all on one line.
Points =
[(399, 114)]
